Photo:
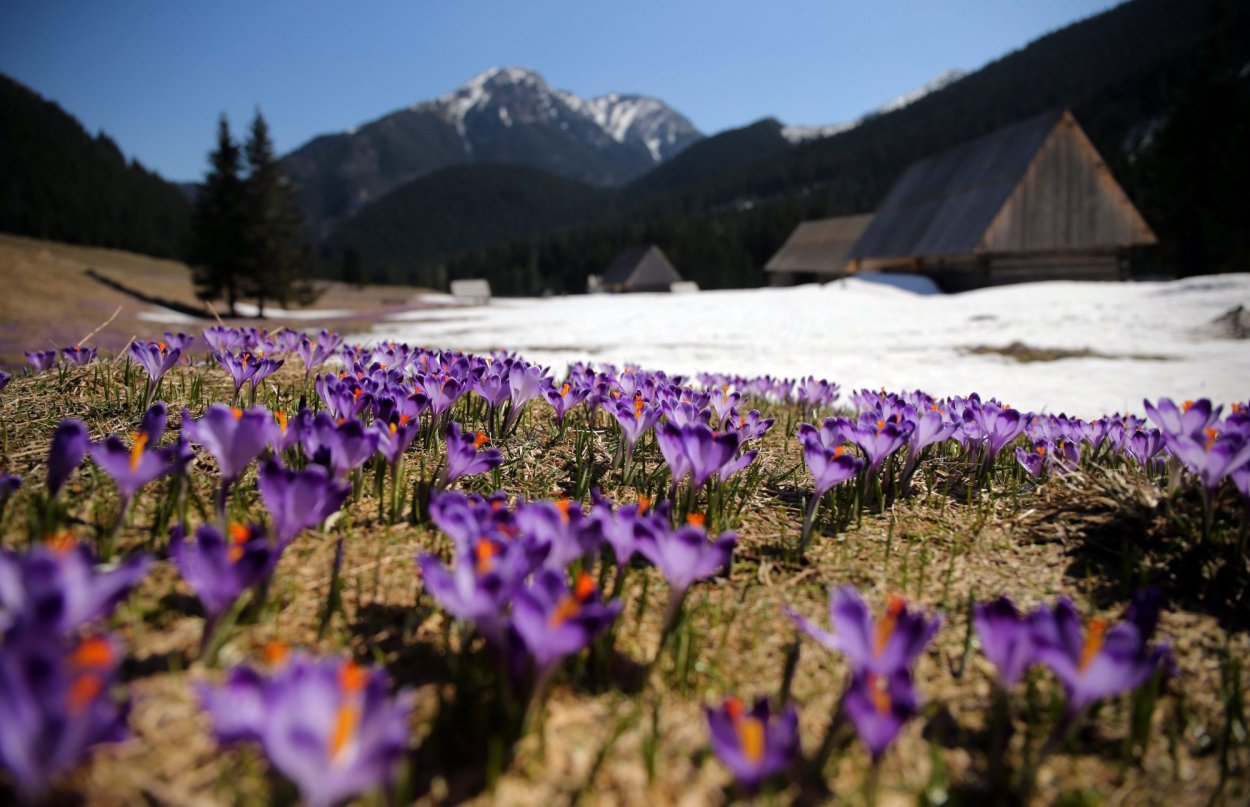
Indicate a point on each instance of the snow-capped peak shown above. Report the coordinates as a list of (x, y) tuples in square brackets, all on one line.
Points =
[(519, 95), (799, 134)]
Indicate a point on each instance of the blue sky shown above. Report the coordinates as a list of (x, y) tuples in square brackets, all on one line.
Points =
[(155, 75)]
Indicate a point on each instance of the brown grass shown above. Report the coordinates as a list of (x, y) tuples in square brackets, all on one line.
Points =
[(49, 301)]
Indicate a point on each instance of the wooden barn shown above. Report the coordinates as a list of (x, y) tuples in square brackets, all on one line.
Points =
[(1032, 201), (816, 251), (642, 268)]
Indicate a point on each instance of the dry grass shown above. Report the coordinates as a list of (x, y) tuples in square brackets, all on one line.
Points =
[(935, 548), (49, 301)]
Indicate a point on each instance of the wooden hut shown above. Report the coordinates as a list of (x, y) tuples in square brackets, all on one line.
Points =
[(1032, 201), (816, 251), (642, 268)]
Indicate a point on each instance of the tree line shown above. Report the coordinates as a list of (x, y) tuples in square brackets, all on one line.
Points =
[(248, 238)]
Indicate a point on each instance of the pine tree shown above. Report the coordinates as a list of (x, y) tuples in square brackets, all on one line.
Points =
[(217, 224), (276, 250)]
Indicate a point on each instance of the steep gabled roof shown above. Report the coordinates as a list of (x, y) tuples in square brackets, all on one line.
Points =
[(821, 246), (942, 205), (643, 266)]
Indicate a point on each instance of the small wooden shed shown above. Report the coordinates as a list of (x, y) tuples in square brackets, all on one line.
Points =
[(1032, 201), (816, 251), (641, 268)]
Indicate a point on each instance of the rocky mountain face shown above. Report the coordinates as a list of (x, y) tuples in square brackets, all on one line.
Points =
[(504, 115)]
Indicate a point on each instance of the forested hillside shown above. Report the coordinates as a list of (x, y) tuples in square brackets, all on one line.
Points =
[(63, 184)]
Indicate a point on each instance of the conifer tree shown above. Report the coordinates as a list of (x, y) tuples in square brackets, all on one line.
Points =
[(217, 224), (276, 254)]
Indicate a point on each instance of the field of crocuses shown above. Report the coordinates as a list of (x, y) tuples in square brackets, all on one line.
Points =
[(250, 567)]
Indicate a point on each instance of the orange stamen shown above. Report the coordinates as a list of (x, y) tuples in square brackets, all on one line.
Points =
[(839, 451), (237, 412), (1212, 433), (345, 723), (93, 652), (1041, 450), (888, 622), (733, 708), (880, 426), (480, 440), (281, 418), (1187, 405), (1093, 642), (393, 429), (60, 543), (353, 677), (644, 502), (84, 690), (564, 389), (751, 738), (276, 652), (136, 451), (696, 519), (484, 553), (563, 506), (880, 693), (584, 588), (403, 420)]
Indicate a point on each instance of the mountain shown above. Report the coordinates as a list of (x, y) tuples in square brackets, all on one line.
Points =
[(461, 207), (1121, 72), (500, 116), (799, 134), (62, 183)]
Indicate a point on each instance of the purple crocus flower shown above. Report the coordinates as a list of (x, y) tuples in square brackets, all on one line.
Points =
[(829, 466), (69, 446), (565, 399), (684, 555), (525, 383), (1001, 426), (155, 357), (466, 455), (1097, 661), (56, 587), (220, 569), (327, 724), (879, 705), (132, 467), (41, 360), (479, 586), (1191, 418), (5, 378), (553, 622), (1031, 461), (754, 745), (1005, 637), (635, 417), (880, 438), (179, 341), (239, 367), (299, 499), (233, 436), (340, 447), (1211, 457), (695, 450), (883, 645), (395, 435), (78, 356), (55, 704), (222, 339)]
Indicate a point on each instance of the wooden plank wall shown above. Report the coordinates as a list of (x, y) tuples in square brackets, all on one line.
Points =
[(1067, 200)]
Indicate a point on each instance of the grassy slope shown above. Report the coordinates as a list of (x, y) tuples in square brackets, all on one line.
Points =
[(49, 301), (937, 548)]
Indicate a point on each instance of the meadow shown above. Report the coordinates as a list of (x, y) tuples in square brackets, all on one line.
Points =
[(250, 567)]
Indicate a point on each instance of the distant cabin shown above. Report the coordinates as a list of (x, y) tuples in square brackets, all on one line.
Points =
[(639, 269), (816, 251), (1032, 201), (474, 291)]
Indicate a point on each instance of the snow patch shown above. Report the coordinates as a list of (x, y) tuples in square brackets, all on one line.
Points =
[(892, 332)]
